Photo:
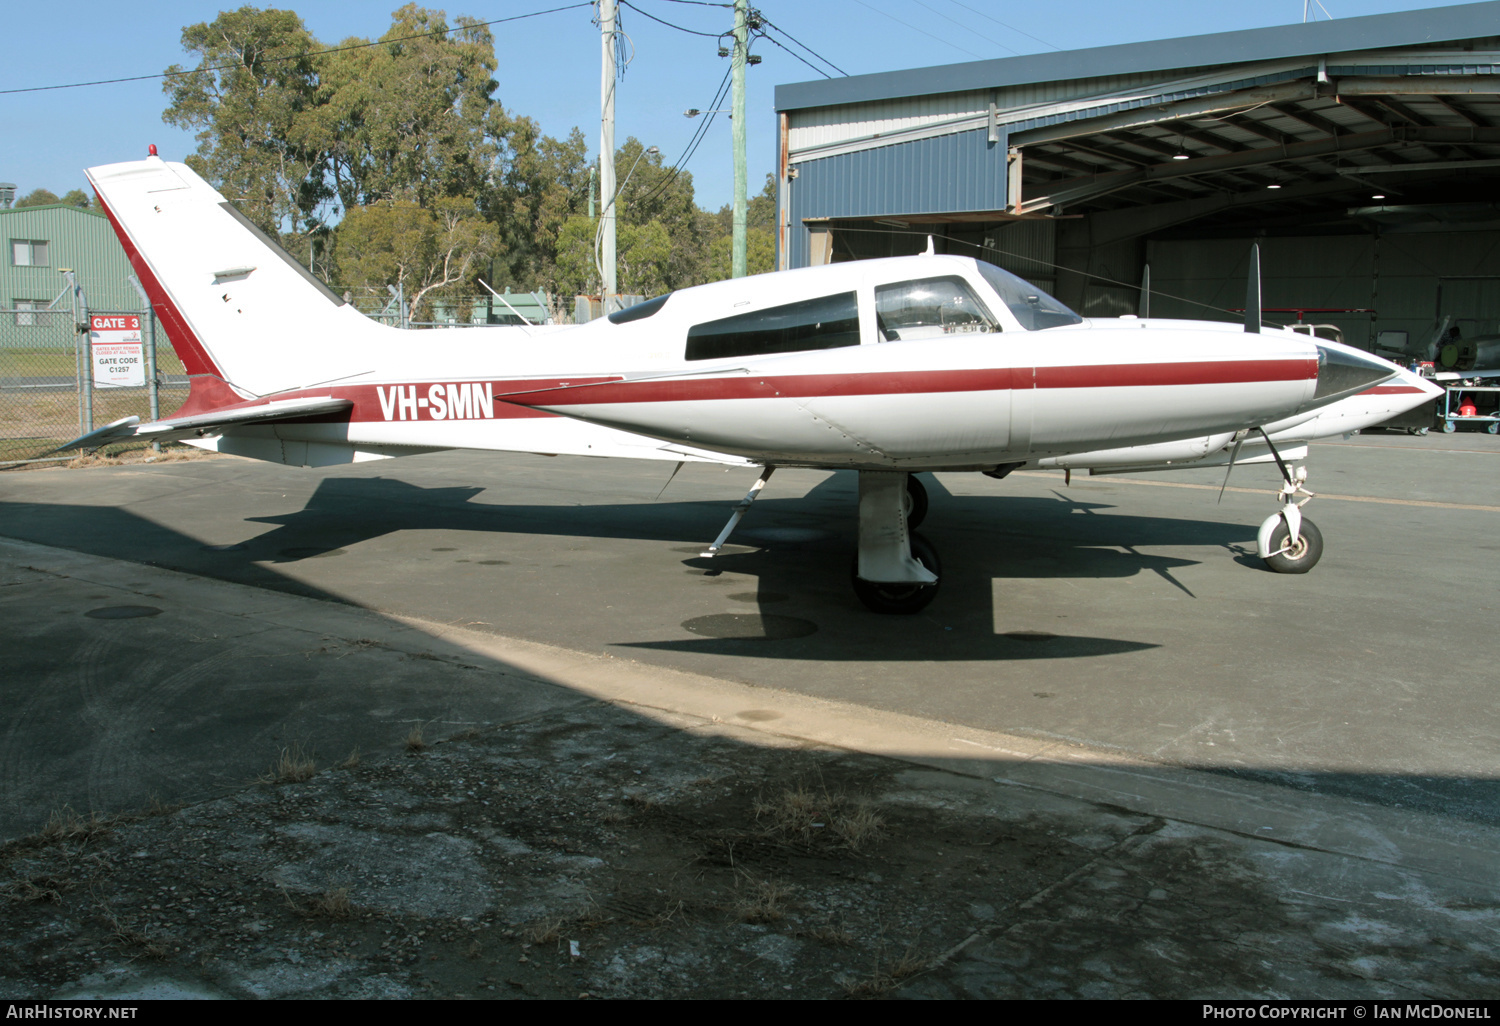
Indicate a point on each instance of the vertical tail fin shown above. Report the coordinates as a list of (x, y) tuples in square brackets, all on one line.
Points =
[(244, 317)]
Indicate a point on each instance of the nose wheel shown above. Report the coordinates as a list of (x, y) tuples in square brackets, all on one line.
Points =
[(1287, 542), (1294, 557)]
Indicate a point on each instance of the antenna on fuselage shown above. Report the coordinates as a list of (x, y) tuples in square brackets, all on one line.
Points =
[(1252, 291), (931, 249)]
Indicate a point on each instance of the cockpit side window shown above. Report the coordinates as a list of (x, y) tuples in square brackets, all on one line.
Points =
[(929, 307), (1033, 307), (828, 322)]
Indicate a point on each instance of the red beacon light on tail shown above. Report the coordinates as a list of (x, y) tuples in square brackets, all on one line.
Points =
[(151, 150)]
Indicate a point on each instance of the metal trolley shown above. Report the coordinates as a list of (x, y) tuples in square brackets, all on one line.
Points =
[(1451, 417)]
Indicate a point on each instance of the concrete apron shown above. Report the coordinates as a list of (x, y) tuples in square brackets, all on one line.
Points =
[(1407, 870)]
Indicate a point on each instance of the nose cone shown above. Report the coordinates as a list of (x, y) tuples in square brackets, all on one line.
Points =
[(1343, 371)]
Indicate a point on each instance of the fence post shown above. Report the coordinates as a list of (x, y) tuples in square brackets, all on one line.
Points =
[(152, 383), (85, 373)]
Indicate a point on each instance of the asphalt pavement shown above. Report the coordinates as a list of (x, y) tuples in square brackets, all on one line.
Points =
[(1121, 615)]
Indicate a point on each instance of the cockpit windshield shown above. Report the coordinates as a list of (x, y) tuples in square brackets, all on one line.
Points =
[(1033, 307)]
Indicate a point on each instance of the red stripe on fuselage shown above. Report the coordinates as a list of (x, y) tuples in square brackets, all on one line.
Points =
[(190, 350), (515, 399), (1392, 390), (988, 379)]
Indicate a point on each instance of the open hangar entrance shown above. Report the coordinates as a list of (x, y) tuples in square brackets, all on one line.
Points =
[(1362, 154)]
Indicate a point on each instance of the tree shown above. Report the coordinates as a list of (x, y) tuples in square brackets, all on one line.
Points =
[(429, 251), (37, 198), (253, 97), (412, 118), (76, 198)]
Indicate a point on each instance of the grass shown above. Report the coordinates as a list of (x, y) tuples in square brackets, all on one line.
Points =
[(292, 766)]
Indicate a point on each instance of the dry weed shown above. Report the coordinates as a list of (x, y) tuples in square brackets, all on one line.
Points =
[(352, 761), (156, 807), (92, 459), (43, 889), (333, 903), (806, 816), (292, 766), (761, 901), (144, 945), (66, 825), (834, 935), (548, 931), (885, 978), (415, 742)]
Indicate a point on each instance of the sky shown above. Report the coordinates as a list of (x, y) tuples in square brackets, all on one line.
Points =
[(549, 65)]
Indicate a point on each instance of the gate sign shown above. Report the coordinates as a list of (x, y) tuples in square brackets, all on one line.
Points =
[(118, 353)]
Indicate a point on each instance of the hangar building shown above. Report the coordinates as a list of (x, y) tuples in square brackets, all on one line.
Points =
[(1362, 153)]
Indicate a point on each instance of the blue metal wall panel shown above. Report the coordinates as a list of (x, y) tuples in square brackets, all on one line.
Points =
[(948, 173), (942, 175)]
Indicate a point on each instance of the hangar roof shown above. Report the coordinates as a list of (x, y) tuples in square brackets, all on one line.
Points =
[(1372, 32)]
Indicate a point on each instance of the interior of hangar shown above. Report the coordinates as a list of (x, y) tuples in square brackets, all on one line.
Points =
[(1362, 154)]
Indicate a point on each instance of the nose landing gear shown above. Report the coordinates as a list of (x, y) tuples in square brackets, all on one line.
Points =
[(1287, 542)]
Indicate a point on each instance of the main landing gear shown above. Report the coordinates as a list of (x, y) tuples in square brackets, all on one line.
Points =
[(895, 571)]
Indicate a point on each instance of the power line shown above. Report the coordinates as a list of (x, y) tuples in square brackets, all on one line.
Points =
[(804, 46), (794, 53), (296, 56), (693, 143), (679, 28), (1003, 24), (966, 28), (914, 28)]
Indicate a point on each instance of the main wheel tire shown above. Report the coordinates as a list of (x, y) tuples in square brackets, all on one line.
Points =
[(900, 599), (1303, 557), (916, 502)]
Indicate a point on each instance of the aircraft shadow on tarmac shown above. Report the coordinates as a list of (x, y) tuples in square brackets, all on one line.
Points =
[(798, 550), (340, 515)]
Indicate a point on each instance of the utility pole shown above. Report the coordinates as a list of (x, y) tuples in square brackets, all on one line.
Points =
[(607, 150), (741, 51)]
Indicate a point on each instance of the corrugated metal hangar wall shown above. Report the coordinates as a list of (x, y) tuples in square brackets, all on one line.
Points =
[(1362, 154)]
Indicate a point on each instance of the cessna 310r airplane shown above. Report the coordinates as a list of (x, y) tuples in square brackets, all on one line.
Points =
[(886, 367)]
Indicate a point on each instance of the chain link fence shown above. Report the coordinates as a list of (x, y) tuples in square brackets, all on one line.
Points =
[(53, 390), (48, 389)]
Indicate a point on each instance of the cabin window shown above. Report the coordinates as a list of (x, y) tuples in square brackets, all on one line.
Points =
[(828, 322), (1033, 307), (28, 252), (929, 307)]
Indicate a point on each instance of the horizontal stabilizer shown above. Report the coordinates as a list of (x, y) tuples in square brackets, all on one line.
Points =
[(207, 423)]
